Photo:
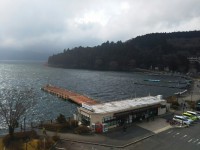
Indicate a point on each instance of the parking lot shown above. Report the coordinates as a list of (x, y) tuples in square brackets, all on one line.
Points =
[(172, 138)]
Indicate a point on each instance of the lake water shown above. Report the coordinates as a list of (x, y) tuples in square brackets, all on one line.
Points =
[(99, 85)]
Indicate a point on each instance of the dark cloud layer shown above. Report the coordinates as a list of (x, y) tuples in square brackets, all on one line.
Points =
[(49, 26)]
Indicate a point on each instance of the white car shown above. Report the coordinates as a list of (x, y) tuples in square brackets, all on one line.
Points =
[(198, 112), (194, 114), (182, 120), (188, 118)]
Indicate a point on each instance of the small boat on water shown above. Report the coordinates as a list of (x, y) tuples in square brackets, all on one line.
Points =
[(180, 93), (152, 80)]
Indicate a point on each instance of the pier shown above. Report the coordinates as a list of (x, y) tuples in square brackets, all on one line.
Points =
[(69, 95)]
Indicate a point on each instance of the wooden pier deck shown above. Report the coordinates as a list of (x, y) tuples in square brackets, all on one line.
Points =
[(69, 95)]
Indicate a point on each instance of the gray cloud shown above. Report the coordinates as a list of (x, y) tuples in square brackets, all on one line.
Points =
[(49, 26)]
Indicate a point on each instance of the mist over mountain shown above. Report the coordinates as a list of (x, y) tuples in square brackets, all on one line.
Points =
[(24, 55), (161, 50)]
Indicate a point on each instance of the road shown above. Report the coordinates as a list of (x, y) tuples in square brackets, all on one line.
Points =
[(194, 94), (173, 139)]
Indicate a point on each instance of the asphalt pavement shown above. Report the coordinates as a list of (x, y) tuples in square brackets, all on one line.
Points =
[(171, 139), (114, 138)]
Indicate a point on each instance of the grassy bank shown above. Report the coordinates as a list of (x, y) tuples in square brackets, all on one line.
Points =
[(31, 145), (28, 140), (1, 144)]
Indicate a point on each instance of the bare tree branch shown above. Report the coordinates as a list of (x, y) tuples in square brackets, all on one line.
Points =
[(14, 104)]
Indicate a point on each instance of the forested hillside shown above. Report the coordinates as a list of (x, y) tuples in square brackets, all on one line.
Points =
[(148, 51)]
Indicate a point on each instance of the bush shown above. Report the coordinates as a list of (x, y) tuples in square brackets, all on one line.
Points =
[(175, 105), (6, 140), (56, 138), (192, 104), (11, 143), (48, 143), (19, 137), (61, 127), (61, 119), (22, 135), (74, 123), (82, 130), (33, 144), (173, 101), (56, 127)]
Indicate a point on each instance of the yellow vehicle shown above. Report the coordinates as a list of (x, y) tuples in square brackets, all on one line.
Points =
[(192, 117)]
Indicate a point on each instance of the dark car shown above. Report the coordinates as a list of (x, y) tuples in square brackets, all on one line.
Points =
[(198, 106)]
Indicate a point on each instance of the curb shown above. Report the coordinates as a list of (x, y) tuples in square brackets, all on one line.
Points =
[(54, 145), (180, 126), (136, 141), (163, 129), (107, 145)]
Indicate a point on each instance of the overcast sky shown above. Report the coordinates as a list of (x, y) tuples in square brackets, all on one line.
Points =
[(49, 26)]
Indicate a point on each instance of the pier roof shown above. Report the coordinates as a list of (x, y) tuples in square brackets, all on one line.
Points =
[(129, 104)]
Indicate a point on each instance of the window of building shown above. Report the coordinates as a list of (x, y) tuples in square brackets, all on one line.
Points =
[(163, 106), (110, 120)]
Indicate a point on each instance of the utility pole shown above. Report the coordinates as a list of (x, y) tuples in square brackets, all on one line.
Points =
[(24, 124)]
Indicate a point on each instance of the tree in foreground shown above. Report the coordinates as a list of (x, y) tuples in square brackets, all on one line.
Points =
[(14, 104)]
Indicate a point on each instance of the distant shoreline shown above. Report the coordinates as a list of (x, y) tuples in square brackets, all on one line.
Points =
[(154, 72)]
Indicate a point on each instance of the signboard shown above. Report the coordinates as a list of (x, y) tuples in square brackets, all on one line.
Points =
[(87, 107)]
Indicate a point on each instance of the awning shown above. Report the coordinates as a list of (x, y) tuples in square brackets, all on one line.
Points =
[(84, 114), (126, 113)]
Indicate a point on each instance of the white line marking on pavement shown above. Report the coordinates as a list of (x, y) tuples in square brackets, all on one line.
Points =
[(198, 143), (170, 132), (60, 148), (183, 136), (190, 140), (176, 134), (195, 140)]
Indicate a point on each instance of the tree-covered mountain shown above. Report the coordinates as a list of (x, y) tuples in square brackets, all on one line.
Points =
[(162, 50)]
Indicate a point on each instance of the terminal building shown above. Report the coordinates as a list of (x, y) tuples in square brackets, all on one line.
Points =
[(104, 116)]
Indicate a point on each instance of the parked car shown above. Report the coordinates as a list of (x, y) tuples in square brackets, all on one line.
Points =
[(198, 112), (182, 120), (194, 114), (198, 106), (192, 117)]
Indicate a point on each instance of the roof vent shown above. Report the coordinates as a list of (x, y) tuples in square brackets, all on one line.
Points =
[(159, 97)]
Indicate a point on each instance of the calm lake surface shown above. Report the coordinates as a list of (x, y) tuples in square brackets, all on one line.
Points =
[(99, 85)]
